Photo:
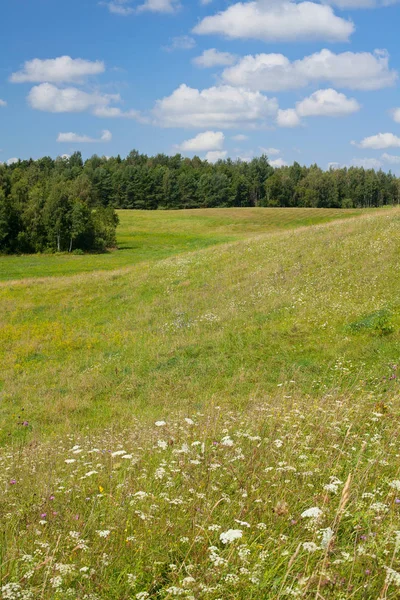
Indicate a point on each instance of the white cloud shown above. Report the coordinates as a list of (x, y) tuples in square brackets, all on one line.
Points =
[(353, 4), (113, 112), (119, 7), (366, 163), (3, 103), (181, 42), (220, 106), (329, 103), (49, 98), (288, 118), (57, 70), (278, 162), (214, 58), (215, 155), (277, 21), (379, 141), (275, 72), (124, 7), (12, 161), (390, 158), (205, 2), (270, 151), (74, 138), (209, 140), (240, 137), (160, 6), (396, 115)]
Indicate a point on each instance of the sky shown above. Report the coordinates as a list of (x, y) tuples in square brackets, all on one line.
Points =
[(300, 81)]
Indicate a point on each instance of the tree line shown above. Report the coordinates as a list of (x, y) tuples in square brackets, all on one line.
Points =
[(68, 204)]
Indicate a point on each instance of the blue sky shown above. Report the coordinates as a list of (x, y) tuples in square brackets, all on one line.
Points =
[(305, 81)]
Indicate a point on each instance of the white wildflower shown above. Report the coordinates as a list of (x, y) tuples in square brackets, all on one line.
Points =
[(310, 546), (103, 533), (395, 484), (227, 441), (326, 536), (231, 535), (392, 576), (312, 513), (159, 424)]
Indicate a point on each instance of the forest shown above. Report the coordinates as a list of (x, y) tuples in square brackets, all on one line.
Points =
[(68, 204)]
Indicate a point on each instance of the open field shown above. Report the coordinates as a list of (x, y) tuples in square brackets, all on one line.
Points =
[(154, 235), (216, 419)]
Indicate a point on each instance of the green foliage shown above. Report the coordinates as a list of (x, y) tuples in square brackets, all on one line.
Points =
[(379, 323), (48, 203), (57, 209)]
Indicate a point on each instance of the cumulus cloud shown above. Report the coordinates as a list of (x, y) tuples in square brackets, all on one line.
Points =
[(160, 6), (209, 140), (119, 7), (57, 70), (396, 115), (215, 155), (366, 163), (390, 158), (354, 4), (219, 106), (275, 72), (278, 162), (12, 161), (49, 98), (240, 137), (379, 141), (329, 103), (270, 151), (277, 21), (288, 118), (3, 103), (214, 58), (181, 42), (75, 138), (114, 112), (124, 8)]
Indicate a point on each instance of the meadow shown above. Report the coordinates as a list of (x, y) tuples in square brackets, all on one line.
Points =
[(210, 412)]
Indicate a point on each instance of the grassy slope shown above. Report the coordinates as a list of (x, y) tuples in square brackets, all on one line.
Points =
[(281, 348), (154, 235), (227, 323)]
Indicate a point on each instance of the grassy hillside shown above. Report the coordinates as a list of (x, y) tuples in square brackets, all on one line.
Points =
[(147, 411), (154, 235)]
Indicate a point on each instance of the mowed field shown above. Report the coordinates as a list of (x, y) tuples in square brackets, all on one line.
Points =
[(211, 411)]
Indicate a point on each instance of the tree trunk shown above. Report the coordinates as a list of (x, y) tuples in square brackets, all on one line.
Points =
[(70, 246), (58, 243)]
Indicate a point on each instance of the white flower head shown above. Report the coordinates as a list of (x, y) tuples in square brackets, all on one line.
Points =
[(310, 546), (395, 484), (312, 513), (231, 535), (160, 423)]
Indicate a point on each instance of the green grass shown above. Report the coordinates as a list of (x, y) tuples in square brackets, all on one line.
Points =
[(280, 346), (154, 235)]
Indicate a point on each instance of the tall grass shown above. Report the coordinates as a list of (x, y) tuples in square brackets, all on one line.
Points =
[(221, 424)]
